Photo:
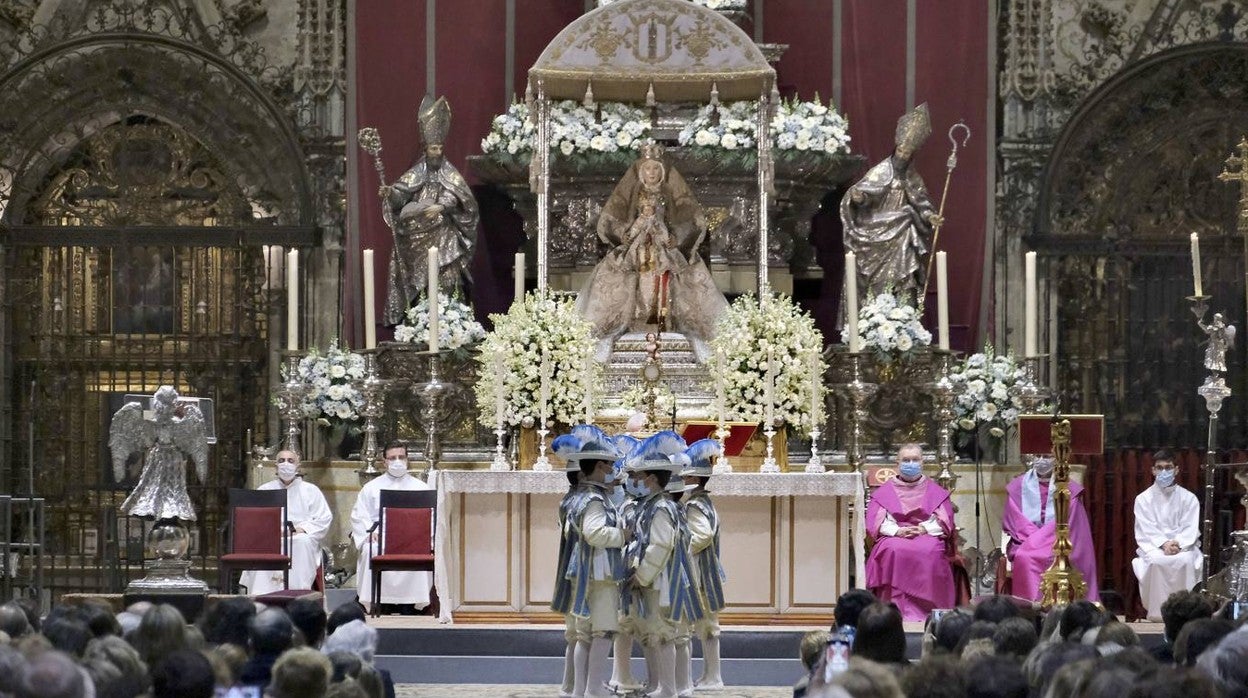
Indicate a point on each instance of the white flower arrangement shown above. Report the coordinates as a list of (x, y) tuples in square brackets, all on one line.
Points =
[(330, 397), (708, 4), (985, 394), (574, 129), (457, 327), (744, 337), (541, 329), (890, 328), (633, 398), (796, 127)]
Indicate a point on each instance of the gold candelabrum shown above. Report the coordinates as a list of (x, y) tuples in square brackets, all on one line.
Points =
[(1061, 583)]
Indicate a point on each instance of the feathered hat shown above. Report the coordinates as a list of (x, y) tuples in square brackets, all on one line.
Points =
[(914, 127), (700, 454), (680, 462), (434, 118), (585, 442), (655, 452)]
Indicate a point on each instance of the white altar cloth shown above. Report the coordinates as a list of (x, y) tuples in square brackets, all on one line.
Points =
[(448, 542)]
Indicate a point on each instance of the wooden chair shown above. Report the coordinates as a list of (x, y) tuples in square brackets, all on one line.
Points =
[(405, 529), (257, 535)]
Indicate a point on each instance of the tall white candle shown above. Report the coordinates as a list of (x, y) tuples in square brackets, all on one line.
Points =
[(292, 300), (851, 300), (588, 377), (544, 389), (942, 299), (770, 389), (720, 369), (370, 306), (499, 377), (433, 298), (1196, 280), (816, 378), (519, 278), (1029, 306)]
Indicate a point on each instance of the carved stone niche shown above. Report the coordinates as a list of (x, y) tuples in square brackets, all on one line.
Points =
[(899, 412), (725, 185)]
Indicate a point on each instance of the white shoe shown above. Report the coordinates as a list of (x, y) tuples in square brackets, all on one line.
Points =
[(665, 659), (598, 669), (711, 679)]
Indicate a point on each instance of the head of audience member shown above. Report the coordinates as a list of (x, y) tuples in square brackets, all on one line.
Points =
[(356, 637), (32, 645), (228, 660), (309, 617), (1070, 679), (1045, 661), (938, 676), (131, 678), (100, 619), (867, 679), (128, 622), (994, 677), (1108, 681), (995, 609), (31, 608), (226, 621), (53, 674), (1116, 632), (1197, 636), (1227, 663), (345, 665), (183, 674), (12, 666), (1136, 660), (349, 688), (1180, 608), (67, 634), (1182, 681), (849, 605), (300, 673), (1015, 637), (1078, 618), (880, 636), (270, 633), (162, 630), (13, 620), (949, 631), (977, 630), (813, 645), (342, 615)]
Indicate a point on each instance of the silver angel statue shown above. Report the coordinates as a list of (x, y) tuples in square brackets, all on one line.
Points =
[(1221, 340), (429, 205), (173, 433), (653, 274), (888, 216)]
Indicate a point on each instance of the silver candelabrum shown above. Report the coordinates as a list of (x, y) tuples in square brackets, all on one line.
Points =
[(1214, 390), (858, 392), (1030, 393), (373, 391), (431, 395), (722, 465), (292, 392), (769, 464), (943, 393)]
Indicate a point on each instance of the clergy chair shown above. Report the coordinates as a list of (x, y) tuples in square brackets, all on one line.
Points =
[(257, 535), (1004, 584), (405, 528)]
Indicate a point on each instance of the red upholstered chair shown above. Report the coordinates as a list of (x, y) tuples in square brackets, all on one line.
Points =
[(404, 536), (258, 535)]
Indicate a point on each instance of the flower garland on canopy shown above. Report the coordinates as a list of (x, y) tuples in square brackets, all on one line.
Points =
[(540, 327), (574, 129), (985, 394), (892, 329), (331, 399), (458, 330), (797, 127), (708, 4), (743, 337)]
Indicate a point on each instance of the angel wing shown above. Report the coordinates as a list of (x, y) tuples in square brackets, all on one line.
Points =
[(191, 437), (127, 434)]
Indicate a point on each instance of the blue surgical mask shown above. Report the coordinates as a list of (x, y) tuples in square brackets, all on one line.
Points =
[(1164, 478), (642, 490), (617, 497), (910, 469)]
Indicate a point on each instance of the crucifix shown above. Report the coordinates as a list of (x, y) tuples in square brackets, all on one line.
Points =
[(1236, 170)]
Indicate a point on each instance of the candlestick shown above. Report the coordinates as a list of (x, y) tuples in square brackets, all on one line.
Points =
[(722, 464), (519, 278), (292, 300), (769, 464), (851, 301), (815, 464), (543, 463), (432, 275), (373, 389), (942, 300), (370, 306), (588, 378), (1196, 278), (500, 461), (1029, 306)]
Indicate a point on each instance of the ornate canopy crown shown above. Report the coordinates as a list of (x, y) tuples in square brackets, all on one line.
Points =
[(914, 128), (435, 120)]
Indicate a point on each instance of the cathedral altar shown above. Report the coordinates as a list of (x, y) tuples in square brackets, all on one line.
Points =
[(497, 537)]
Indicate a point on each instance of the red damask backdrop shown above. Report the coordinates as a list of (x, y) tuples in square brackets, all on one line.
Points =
[(950, 71)]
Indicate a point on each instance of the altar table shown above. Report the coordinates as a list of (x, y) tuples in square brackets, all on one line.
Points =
[(788, 544)]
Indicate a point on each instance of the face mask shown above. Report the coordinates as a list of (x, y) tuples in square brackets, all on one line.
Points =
[(611, 477), (911, 469), (1164, 478), (396, 467), (617, 497), (641, 489), (630, 487), (287, 471), (1043, 467)]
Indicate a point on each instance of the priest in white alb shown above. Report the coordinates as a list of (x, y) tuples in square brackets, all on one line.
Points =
[(406, 589), (1167, 536), (309, 514)]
